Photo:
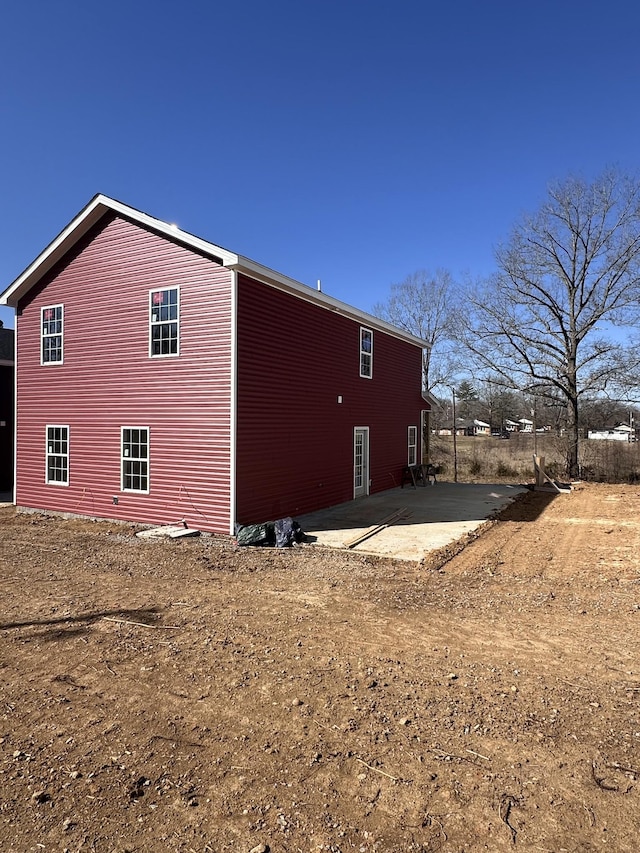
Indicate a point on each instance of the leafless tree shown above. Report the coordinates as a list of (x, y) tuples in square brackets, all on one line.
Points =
[(567, 276), (423, 304)]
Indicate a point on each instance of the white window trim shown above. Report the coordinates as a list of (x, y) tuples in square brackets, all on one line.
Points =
[(362, 352), (175, 287), (47, 481), (43, 336), (412, 445), (147, 460)]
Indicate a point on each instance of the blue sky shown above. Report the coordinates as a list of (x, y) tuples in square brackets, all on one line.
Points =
[(349, 141)]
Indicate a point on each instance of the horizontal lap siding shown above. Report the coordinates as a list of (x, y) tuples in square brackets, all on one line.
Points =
[(295, 441), (108, 381)]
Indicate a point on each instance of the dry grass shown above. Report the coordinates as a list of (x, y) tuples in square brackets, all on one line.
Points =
[(488, 459)]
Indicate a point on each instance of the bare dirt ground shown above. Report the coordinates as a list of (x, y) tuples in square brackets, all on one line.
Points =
[(192, 696)]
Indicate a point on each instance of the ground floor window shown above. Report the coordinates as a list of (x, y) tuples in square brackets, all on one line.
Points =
[(412, 445), (57, 455), (135, 459)]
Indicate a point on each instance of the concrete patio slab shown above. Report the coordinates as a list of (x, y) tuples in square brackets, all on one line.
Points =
[(433, 516)]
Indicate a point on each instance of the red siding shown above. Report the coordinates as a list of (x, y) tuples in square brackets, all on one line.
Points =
[(108, 381), (295, 441)]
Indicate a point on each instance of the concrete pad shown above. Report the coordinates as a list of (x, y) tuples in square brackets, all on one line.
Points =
[(434, 516)]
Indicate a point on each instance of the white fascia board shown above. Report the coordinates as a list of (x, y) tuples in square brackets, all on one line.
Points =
[(228, 258), (304, 291), (100, 204), (79, 226), (428, 397)]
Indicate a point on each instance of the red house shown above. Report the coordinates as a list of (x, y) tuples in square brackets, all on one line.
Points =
[(6, 408), (161, 378)]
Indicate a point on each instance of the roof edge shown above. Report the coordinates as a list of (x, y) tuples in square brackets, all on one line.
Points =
[(101, 204), (90, 214), (318, 297)]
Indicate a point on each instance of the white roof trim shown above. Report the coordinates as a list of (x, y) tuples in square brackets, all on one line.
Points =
[(101, 204)]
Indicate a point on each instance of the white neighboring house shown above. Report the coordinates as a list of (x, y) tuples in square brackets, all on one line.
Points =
[(525, 425), (621, 432)]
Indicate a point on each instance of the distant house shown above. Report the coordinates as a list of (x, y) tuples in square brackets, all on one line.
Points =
[(466, 427), (620, 432), (525, 425), (6, 407), (511, 426), (161, 377), (476, 427)]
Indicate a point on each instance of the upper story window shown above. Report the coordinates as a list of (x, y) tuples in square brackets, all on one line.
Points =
[(412, 445), (366, 353), (57, 455), (52, 333), (163, 322), (135, 459)]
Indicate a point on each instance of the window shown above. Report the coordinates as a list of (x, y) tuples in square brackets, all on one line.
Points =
[(135, 459), (366, 353), (412, 442), (163, 322), (51, 350), (57, 455)]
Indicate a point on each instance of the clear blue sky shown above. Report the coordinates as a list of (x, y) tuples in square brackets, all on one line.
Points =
[(348, 140)]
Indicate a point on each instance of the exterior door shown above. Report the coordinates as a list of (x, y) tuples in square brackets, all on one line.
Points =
[(360, 462)]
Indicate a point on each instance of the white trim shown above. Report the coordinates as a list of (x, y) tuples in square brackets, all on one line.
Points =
[(317, 297), (47, 481), (362, 352), (44, 308), (80, 224), (413, 445), (175, 354), (233, 414), (102, 204), (367, 478), (148, 461)]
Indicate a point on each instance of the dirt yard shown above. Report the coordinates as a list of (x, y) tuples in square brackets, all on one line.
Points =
[(192, 696)]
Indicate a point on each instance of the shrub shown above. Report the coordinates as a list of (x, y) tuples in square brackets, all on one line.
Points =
[(505, 470), (475, 467)]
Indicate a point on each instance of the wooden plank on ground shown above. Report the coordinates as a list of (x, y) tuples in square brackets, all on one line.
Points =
[(376, 528)]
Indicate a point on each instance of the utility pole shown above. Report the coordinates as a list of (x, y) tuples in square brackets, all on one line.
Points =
[(455, 438)]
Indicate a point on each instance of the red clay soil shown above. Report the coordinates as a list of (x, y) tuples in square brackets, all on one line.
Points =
[(189, 695)]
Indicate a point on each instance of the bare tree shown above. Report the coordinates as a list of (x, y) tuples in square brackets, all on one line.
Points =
[(566, 277), (423, 305)]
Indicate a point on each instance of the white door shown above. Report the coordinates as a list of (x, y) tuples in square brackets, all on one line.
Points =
[(360, 461)]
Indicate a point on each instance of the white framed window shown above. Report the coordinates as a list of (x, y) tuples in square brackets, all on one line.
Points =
[(52, 331), (412, 445), (57, 455), (366, 353), (135, 459), (164, 306)]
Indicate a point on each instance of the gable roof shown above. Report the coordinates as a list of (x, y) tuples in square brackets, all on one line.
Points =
[(100, 205)]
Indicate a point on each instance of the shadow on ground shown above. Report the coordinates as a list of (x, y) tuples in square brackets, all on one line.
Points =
[(426, 517)]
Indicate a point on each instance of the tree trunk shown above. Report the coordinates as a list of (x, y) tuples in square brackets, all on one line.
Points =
[(573, 432)]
